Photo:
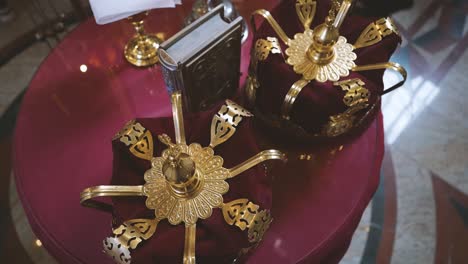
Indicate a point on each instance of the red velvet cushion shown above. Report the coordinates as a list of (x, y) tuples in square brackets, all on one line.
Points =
[(217, 242), (317, 101)]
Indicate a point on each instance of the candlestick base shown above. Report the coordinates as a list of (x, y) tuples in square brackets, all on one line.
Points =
[(142, 50)]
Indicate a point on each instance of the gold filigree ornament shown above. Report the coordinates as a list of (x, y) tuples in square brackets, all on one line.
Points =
[(137, 138), (263, 48), (322, 54), (184, 185), (128, 236), (375, 32), (356, 98), (244, 214), (225, 122)]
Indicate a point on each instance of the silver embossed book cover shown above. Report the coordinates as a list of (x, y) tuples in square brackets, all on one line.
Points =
[(203, 60)]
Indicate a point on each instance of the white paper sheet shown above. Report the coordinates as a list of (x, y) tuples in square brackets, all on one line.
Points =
[(107, 11)]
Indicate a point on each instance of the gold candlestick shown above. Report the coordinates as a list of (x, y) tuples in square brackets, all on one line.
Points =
[(142, 49)]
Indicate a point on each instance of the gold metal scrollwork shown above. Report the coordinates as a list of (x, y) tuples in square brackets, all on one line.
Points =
[(118, 252), (134, 231), (306, 12), (262, 49), (139, 140), (375, 32), (131, 133), (126, 129), (356, 98), (240, 212), (225, 122), (260, 225), (338, 125), (143, 149), (128, 236), (245, 214), (251, 88)]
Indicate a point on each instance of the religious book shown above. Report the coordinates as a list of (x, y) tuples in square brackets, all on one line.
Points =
[(203, 60)]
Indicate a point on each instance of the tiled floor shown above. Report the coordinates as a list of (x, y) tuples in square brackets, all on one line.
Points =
[(427, 136), (30, 13), (18, 244), (16, 74), (28, 240), (420, 212)]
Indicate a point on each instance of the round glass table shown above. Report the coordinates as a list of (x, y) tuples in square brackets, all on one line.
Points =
[(85, 91)]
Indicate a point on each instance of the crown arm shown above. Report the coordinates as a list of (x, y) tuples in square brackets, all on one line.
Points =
[(265, 155), (384, 66)]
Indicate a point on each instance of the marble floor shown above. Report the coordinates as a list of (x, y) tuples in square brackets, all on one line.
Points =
[(424, 210), (420, 211), (29, 14)]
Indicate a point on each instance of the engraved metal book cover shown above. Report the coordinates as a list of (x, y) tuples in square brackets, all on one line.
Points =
[(203, 60)]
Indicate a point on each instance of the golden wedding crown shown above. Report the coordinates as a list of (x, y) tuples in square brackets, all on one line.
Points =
[(322, 54), (183, 185)]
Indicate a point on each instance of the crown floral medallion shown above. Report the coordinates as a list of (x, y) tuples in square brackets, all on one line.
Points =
[(339, 66), (209, 184)]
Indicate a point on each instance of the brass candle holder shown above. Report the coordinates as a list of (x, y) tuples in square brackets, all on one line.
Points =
[(142, 49)]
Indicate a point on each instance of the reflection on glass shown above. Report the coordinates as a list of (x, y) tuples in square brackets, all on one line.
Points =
[(83, 68), (38, 243)]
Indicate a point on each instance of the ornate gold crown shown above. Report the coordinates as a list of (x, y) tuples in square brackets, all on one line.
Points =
[(183, 185), (322, 54)]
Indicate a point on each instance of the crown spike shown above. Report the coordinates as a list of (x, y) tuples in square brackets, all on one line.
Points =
[(325, 36)]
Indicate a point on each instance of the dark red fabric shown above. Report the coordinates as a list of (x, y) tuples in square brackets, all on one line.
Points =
[(381, 7), (217, 242), (317, 101)]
